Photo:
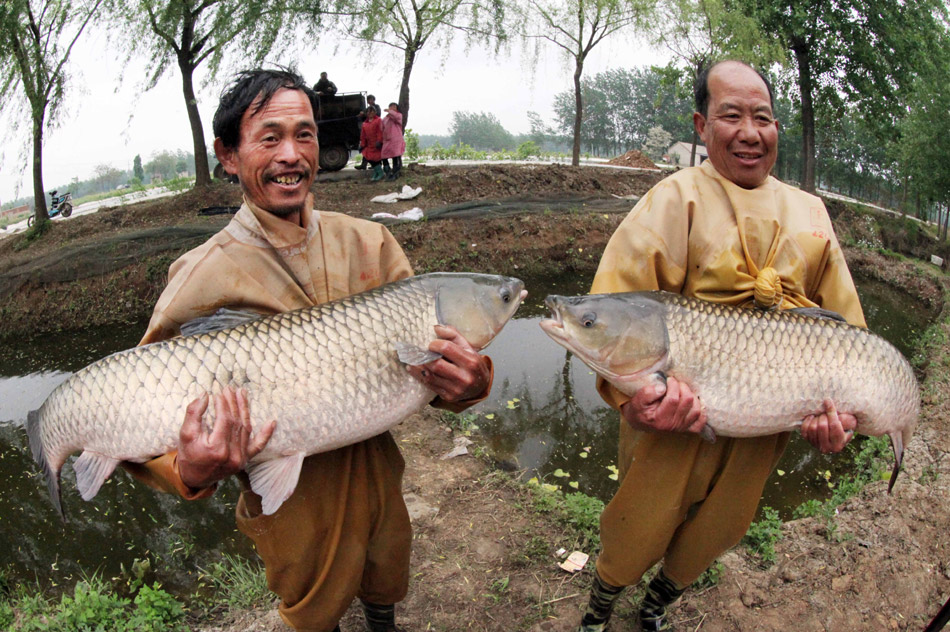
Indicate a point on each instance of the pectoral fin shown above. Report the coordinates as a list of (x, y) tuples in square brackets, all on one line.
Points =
[(708, 434), (275, 480), (92, 470), (415, 355)]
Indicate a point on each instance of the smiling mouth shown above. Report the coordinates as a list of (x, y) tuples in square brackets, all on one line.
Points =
[(288, 179), (744, 156)]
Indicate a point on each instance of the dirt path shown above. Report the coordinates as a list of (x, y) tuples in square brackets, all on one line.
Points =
[(483, 552)]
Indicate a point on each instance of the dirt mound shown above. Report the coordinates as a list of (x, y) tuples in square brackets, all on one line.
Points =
[(633, 158)]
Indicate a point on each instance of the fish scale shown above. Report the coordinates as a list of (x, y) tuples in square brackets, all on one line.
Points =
[(330, 375), (755, 372)]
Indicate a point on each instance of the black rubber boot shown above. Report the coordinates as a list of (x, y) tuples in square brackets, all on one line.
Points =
[(379, 618)]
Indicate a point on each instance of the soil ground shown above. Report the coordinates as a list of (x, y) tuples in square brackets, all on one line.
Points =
[(482, 555)]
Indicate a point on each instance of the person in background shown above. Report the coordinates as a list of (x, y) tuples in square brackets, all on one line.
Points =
[(394, 145), (370, 103), (324, 87), (344, 533), (371, 142), (725, 232)]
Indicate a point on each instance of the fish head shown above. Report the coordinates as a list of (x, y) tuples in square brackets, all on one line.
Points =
[(623, 337), (477, 305)]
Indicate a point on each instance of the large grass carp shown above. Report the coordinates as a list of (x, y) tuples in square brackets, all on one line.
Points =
[(330, 375), (755, 372)]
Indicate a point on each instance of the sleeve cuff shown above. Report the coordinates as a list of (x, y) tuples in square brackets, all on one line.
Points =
[(162, 473)]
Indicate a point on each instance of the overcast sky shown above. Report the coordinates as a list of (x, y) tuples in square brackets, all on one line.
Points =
[(103, 123)]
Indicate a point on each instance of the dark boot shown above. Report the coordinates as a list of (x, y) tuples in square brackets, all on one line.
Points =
[(661, 593), (377, 173), (362, 164), (379, 618)]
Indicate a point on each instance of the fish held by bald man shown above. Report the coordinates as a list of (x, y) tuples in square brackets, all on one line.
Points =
[(330, 375), (756, 372)]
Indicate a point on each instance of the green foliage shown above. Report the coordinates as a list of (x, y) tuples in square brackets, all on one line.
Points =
[(527, 149), (156, 611), (622, 105), (482, 131), (763, 535), (239, 583), (412, 145), (710, 576), (871, 461), (463, 423), (93, 606), (137, 171), (36, 40), (577, 511)]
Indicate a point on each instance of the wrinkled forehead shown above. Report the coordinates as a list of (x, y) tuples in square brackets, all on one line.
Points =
[(284, 106)]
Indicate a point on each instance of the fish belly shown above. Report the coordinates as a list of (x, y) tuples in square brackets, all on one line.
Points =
[(760, 373)]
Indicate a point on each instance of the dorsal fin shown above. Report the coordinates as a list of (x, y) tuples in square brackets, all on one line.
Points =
[(818, 312), (224, 318)]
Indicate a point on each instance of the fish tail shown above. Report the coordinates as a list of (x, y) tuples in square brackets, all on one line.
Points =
[(897, 443), (41, 458)]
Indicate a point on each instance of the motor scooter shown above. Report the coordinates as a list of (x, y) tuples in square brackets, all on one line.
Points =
[(62, 205)]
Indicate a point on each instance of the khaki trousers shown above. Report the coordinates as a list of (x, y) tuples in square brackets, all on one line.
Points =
[(344, 533), (681, 500)]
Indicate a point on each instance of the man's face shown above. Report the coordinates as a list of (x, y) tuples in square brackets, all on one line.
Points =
[(277, 154), (740, 132)]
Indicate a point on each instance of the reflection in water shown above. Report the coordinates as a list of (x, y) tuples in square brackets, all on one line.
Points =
[(544, 414), (125, 520)]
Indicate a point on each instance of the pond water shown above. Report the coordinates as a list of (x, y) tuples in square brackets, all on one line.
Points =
[(544, 416)]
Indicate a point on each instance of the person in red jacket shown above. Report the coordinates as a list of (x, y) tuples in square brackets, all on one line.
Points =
[(371, 142)]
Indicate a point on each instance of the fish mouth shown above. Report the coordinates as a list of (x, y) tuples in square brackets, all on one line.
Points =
[(553, 326)]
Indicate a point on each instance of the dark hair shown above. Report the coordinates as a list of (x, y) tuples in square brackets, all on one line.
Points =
[(252, 87), (701, 89), (369, 96), (397, 106)]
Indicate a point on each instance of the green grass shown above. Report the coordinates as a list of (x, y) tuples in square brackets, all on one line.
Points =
[(239, 583)]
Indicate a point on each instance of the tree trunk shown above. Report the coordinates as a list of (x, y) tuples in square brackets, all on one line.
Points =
[(410, 59), (40, 210), (578, 112), (802, 52), (202, 170)]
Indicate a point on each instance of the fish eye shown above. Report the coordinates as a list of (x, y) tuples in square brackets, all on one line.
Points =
[(506, 296), (588, 319)]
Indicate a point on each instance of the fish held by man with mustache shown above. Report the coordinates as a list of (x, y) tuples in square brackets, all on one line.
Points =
[(330, 375), (756, 372)]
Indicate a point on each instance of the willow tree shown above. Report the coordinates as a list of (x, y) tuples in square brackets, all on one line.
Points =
[(576, 27), (36, 40), (409, 26), (850, 52), (188, 33)]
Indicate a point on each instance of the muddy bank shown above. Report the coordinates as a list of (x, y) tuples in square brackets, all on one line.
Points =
[(483, 545)]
